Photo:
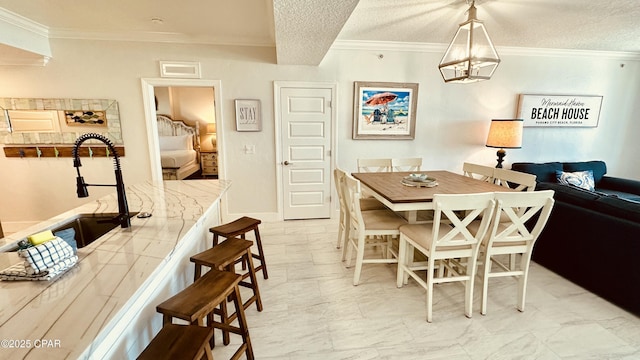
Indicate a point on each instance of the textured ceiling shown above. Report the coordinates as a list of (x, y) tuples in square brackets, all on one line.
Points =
[(302, 31)]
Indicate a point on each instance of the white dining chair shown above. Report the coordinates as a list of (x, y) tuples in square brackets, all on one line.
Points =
[(480, 172), (514, 179), (367, 229), (374, 165), (449, 244), (365, 205), (406, 164), (512, 237), (338, 176)]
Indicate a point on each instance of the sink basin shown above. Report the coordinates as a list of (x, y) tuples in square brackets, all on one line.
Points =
[(88, 227)]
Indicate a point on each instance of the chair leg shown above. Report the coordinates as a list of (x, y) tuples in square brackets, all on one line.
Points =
[(341, 228), (402, 256), (468, 296), (430, 272), (522, 281), (347, 248), (359, 259), (486, 269), (409, 257)]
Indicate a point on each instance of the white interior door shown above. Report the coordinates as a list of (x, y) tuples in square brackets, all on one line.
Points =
[(305, 126)]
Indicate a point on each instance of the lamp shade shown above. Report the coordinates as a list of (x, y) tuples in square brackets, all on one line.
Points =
[(505, 134), (211, 128), (471, 55)]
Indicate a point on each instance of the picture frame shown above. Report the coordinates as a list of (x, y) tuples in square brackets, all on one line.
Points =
[(85, 117), (248, 115), (384, 110), (539, 110)]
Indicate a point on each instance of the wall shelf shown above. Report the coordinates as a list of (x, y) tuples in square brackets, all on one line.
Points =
[(65, 151)]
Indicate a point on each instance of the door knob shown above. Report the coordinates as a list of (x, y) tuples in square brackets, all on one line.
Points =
[(286, 162)]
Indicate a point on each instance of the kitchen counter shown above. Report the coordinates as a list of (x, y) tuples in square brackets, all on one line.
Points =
[(104, 307)]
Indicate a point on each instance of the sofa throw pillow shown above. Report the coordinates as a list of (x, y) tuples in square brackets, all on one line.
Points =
[(581, 179)]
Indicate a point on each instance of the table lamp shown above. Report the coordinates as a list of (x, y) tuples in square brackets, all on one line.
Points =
[(505, 134), (211, 130)]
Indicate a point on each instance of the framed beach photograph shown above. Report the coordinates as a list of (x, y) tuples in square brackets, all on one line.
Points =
[(248, 115), (384, 110)]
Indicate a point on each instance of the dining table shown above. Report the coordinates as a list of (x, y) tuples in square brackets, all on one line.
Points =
[(400, 193)]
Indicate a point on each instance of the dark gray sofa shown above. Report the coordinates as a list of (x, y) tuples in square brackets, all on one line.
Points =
[(592, 237)]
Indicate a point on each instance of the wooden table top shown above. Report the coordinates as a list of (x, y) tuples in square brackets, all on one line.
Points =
[(389, 185)]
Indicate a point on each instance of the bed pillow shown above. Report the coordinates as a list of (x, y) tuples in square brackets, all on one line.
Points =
[(581, 179), (179, 142)]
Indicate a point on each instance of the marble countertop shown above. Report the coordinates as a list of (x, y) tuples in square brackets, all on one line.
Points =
[(75, 308)]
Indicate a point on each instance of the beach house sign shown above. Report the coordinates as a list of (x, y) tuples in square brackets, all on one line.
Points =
[(559, 110)]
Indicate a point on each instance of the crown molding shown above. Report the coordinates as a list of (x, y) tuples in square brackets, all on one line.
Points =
[(502, 50), (147, 36), (22, 22)]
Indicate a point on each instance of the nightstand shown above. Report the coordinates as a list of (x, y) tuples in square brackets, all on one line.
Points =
[(209, 162)]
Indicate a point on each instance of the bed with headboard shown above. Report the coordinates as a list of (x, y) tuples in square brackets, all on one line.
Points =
[(179, 147)]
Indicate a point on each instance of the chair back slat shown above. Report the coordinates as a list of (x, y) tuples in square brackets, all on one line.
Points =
[(339, 180), (514, 210), (353, 194), (374, 165), (460, 211), (406, 164), (514, 179), (480, 172)]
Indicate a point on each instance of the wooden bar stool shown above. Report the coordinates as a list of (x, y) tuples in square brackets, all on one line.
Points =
[(179, 342), (224, 256), (240, 227), (201, 299)]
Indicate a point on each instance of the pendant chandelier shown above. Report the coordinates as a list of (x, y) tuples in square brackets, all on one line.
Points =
[(471, 55)]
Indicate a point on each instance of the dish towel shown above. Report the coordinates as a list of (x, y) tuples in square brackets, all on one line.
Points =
[(41, 257), (21, 272), (42, 262)]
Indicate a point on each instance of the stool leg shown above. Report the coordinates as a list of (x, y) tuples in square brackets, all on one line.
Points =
[(224, 315), (215, 240), (207, 352), (242, 323), (263, 264), (166, 319), (197, 272), (254, 280), (210, 321), (244, 263), (224, 318)]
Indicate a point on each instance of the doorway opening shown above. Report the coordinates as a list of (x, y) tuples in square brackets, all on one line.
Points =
[(176, 96), (195, 108)]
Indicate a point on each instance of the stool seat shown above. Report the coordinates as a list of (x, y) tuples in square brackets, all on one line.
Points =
[(201, 299), (223, 254), (179, 342), (237, 227), (240, 227), (224, 257)]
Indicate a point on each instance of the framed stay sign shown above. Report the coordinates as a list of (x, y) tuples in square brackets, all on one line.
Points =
[(559, 110), (248, 115)]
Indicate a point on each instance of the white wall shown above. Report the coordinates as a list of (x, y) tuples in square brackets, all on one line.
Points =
[(453, 119)]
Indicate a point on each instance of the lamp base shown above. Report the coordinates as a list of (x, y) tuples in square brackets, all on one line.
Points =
[(501, 154)]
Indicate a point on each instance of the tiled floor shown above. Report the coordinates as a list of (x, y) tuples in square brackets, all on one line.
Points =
[(312, 311)]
